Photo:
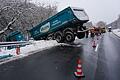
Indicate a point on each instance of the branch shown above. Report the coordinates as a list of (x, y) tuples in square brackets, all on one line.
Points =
[(8, 26), (13, 20), (10, 23)]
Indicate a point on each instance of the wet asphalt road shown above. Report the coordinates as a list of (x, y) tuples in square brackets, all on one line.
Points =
[(108, 63), (59, 62)]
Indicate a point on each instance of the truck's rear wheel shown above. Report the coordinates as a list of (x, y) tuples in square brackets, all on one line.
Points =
[(81, 35), (50, 37), (59, 37), (69, 36)]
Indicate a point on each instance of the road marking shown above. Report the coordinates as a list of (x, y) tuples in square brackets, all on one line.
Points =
[(96, 49)]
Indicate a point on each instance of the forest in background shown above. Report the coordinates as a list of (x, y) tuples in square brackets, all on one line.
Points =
[(22, 15)]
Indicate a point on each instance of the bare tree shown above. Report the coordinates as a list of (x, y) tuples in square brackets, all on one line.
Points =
[(23, 15), (101, 24)]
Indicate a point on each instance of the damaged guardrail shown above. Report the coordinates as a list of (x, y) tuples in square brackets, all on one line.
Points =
[(16, 43)]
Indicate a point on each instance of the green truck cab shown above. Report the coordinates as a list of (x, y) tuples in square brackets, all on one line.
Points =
[(62, 27), (14, 36)]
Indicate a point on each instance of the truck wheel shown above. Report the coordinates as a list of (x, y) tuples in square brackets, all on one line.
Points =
[(81, 35), (69, 36), (50, 37), (59, 37)]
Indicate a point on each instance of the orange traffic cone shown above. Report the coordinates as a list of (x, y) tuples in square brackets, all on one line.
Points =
[(94, 44), (18, 50), (79, 73)]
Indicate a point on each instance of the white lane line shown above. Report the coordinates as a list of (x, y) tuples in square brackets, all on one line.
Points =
[(96, 49)]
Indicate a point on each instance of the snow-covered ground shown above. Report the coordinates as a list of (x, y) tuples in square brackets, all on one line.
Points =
[(35, 47), (28, 49), (116, 32)]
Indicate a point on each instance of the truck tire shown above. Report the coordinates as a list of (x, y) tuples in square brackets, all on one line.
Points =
[(69, 36), (81, 35), (58, 37), (68, 29), (50, 37)]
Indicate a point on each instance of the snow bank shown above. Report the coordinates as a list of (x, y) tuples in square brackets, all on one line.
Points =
[(116, 32), (29, 49), (38, 46)]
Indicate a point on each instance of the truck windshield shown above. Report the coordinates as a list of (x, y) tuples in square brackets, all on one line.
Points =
[(80, 14)]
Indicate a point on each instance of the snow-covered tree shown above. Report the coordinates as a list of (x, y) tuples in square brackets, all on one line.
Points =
[(23, 15), (101, 24)]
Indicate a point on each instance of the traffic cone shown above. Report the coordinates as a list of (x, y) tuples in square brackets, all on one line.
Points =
[(18, 50), (94, 44), (79, 72)]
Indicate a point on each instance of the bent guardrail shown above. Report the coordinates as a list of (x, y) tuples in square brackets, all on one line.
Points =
[(16, 43)]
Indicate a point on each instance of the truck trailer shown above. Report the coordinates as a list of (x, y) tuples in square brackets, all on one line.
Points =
[(15, 36), (62, 27)]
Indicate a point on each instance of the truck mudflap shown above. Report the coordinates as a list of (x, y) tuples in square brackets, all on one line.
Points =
[(81, 34)]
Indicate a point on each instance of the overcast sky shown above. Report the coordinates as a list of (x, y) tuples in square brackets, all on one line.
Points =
[(97, 10)]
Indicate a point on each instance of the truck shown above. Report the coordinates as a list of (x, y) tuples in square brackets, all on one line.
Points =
[(109, 29), (62, 27), (15, 36)]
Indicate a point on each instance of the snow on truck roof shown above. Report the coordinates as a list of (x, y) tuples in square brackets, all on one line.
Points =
[(77, 8), (80, 13)]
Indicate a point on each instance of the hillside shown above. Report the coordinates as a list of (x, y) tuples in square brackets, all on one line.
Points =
[(115, 24)]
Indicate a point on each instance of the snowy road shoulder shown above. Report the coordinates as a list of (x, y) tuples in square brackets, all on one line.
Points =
[(27, 50), (116, 32)]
